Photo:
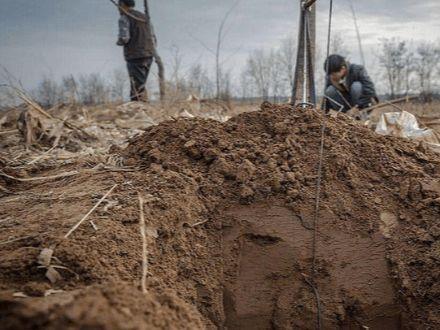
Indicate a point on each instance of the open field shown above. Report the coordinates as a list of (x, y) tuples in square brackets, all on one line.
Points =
[(220, 165)]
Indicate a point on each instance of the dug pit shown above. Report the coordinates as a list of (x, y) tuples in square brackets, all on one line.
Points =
[(267, 248)]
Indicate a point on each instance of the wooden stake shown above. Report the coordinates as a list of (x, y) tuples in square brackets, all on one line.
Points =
[(94, 225), (13, 131), (144, 244), (52, 177), (15, 240), (199, 223), (90, 212), (41, 156), (386, 103), (69, 174), (4, 189)]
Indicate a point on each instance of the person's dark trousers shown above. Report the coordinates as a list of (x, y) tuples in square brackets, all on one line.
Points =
[(138, 71), (339, 98)]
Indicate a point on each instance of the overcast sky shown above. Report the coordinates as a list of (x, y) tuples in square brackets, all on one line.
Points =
[(61, 37)]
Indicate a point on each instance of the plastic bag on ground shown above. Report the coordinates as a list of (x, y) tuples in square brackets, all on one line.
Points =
[(404, 124)]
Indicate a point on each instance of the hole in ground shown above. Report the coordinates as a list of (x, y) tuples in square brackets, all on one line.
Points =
[(265, 250)]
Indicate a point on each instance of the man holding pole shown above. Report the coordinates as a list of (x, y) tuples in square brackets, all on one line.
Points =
[(138, 39)]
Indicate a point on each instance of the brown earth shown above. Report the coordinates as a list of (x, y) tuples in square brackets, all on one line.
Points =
[(230, 210)]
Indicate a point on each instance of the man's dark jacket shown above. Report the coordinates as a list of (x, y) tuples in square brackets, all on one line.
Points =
[(141, 43), (358, 73)]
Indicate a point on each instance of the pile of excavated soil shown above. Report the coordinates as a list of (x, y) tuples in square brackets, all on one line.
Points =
[(230, 210)]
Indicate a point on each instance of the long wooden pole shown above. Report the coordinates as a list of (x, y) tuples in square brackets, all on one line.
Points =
[(126, 12), (157, 58), (384, 104), (144, 244), (309, 3), (90, 212)]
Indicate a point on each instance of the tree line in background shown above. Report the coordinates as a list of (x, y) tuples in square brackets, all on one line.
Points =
[(401, 68), (409, 68)]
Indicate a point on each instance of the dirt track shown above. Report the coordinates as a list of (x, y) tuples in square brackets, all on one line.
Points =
[(249, 187)]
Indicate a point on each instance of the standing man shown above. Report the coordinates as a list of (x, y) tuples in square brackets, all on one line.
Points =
[(138, 39), (348, 84)]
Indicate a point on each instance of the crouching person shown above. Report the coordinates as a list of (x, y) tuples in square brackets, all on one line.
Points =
[(138, 40), (347, 85)]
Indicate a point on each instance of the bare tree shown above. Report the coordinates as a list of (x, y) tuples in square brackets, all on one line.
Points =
[(392, 58), (195, 83), (409, 70), (119, 85), (8, 97), (428, 56), (176, 66), (69, 89), (217, 52), (177, 86), (338, 45), (93, 89), (277, 75), (225, 86), (220, 39), (245, 85), (199, 82), (259, 70), (48, 92), (270, 73), (287, 58)]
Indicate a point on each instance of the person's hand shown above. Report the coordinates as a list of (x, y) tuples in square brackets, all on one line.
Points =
[(333, 113)]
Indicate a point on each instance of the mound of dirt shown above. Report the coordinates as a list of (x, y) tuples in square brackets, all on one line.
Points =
[(230, 223), (112, 306)]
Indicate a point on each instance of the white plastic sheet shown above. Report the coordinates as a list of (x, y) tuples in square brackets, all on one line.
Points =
[(404, 124)]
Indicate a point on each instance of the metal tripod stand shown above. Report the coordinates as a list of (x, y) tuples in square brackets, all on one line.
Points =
[(304, 92)]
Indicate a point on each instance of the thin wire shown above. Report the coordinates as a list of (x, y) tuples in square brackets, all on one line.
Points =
[(358, 33), (319, 179)]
